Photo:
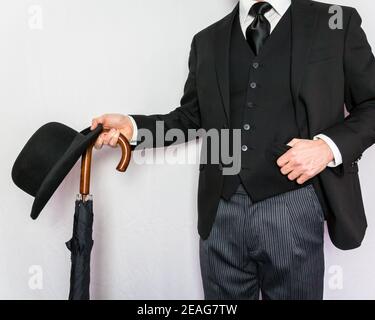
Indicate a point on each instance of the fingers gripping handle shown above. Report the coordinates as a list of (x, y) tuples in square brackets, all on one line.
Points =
[(87, 158)]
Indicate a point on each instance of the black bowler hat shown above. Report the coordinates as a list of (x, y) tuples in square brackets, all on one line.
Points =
[(47, 158)]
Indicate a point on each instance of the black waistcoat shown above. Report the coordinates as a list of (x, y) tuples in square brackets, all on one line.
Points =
[(261, 106)]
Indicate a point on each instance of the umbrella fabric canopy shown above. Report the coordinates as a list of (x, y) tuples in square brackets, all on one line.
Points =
[(81, 243), (80, 246)]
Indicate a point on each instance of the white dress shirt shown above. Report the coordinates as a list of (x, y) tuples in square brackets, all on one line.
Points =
[(279, 7)]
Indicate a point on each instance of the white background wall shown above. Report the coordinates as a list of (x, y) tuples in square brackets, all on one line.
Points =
[(96, 56)]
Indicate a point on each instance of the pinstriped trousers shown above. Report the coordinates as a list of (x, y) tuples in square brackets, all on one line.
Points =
[(273, 247)]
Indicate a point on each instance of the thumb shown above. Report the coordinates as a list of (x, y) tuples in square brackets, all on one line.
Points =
[(96, 121)]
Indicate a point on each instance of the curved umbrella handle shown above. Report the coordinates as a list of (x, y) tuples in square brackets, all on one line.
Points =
[(86, 163)]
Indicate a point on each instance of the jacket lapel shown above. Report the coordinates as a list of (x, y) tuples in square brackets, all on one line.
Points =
[(303, 27), (222, 47)]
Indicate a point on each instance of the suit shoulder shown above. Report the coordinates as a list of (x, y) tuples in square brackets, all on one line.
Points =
[(325, 7), (327, 10), (208, 31)]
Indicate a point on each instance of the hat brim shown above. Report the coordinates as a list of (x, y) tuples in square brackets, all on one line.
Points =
[(62, 168)]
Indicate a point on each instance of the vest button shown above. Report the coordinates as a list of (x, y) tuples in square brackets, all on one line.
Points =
[(244, 148), (250, 105), (246, 127), (253, 85), (255, 65)]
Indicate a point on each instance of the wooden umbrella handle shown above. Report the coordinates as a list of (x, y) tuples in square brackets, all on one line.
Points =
[(87, 158)]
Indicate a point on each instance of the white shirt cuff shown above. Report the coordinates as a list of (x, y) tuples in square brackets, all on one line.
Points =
[(134, 138), (337, 157)]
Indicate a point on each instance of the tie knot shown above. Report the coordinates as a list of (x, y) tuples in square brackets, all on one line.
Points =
[(260, 8)]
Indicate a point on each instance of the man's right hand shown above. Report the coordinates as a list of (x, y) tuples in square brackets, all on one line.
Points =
[(116, 123)]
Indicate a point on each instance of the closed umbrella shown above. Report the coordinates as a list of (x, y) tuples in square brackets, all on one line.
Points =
[(81, 242)]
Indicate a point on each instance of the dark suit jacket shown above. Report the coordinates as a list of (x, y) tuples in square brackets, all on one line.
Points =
[(330, 69)]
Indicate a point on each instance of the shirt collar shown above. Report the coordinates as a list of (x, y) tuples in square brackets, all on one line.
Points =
[(280, 6)]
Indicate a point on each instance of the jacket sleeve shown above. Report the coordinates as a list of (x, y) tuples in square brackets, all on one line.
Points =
[(357, 132), (185, 117)]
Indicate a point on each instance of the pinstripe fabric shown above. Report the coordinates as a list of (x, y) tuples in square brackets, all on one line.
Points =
[(274, 247)]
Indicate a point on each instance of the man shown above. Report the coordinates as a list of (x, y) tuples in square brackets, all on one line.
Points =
[(280, 73)]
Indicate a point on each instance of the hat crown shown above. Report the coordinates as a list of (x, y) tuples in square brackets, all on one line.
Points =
[(40, 154)]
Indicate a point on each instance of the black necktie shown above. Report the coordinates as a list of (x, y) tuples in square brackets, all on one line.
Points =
[(260, 29)]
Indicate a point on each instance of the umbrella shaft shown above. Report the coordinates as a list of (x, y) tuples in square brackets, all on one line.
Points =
[(86, 172)]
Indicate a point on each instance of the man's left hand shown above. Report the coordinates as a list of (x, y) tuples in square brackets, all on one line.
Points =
[(305, 160)]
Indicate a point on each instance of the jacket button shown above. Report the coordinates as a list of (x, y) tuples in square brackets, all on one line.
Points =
[(253, 85), (255, 65), (244, 148)]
